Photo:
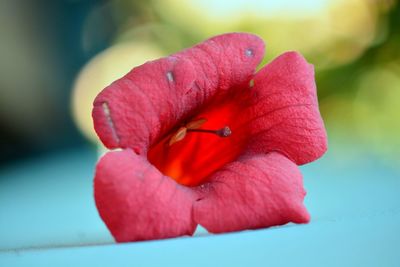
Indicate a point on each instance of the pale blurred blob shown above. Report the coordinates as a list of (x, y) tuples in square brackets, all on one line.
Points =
[(371, 117), (376, 109), (101, 71), (329, 32)]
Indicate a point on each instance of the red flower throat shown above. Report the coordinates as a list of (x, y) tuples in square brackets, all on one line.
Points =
[(205, 141)]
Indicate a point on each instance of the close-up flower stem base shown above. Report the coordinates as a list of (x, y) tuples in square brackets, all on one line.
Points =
[(204, 139)]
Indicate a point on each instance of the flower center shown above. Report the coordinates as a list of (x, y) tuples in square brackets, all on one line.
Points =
[(205, 143), (194, 127)]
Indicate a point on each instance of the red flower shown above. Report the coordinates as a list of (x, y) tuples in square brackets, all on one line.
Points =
[(206, 141)]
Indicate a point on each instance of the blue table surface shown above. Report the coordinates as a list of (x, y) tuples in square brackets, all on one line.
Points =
[(48, 218)]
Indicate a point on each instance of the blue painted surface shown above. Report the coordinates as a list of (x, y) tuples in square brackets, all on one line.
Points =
[(48, 218)]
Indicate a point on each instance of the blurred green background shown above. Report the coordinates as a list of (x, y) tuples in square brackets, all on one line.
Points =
[(56, 56)]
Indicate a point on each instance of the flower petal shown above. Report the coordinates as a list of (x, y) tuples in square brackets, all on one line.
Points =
[(285, 115), (225, 61), (143, 103), (136, 110), (253, 192), (137, 202)]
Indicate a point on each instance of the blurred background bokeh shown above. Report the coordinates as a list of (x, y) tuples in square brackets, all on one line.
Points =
[(57, 55)]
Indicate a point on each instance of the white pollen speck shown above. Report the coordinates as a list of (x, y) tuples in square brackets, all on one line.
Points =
[(251, 83), (106, 109), (170, 76), (249, 52), (107, 113)]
